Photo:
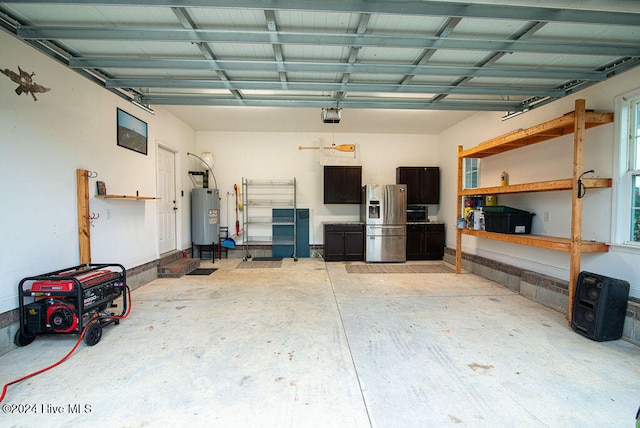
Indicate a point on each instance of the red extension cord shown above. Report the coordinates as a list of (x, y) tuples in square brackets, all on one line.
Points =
[(4, 390)]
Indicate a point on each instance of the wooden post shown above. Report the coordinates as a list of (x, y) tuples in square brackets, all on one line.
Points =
[(458, 214), (576, 202), (84, 231)]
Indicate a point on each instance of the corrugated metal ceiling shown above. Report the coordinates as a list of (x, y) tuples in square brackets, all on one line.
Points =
[(440, 55)]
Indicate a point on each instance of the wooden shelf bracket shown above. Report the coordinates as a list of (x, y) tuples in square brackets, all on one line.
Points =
[(84, 218)]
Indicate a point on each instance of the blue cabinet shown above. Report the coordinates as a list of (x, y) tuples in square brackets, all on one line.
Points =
[(282, 230)]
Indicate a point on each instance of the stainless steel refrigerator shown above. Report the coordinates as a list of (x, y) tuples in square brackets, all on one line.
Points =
[(384, 212)]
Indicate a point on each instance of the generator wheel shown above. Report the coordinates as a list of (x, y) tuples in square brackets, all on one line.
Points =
[(23, 339), (93, 334)]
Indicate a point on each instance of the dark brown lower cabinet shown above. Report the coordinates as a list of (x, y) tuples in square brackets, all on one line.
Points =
[(425, 241), (343, 242)]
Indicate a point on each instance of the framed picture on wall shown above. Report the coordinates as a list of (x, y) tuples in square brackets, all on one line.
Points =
[(132, 132), (102, 188)]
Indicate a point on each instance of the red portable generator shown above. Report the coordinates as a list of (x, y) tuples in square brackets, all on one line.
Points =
[(66, 301)]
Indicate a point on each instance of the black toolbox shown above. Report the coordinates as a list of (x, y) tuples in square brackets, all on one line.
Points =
[(503, 219)]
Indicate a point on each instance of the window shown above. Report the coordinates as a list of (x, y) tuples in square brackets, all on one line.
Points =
[(470, 173), (626, 221), (633, 169)]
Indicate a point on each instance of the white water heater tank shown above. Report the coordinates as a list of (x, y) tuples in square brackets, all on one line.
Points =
[(205, 216)]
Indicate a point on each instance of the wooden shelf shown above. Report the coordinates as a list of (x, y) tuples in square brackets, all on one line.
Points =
[(125, 197), (576, 123), (545, 131), (541, 186), (549, 242)]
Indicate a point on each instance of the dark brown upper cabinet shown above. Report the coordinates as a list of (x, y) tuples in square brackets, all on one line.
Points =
[(423, 183), (342, 184)]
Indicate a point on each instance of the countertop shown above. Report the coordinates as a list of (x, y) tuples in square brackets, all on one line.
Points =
[(362, 222), (343, 222)]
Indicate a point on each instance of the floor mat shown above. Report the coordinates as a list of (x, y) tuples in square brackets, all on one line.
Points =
[(386, 268), (259, 265), (267, 259), (202, 271)]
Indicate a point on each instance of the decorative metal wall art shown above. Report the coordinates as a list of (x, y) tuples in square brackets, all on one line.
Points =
[(25, 82)]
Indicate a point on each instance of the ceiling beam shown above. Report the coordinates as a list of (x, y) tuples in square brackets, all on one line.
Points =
[(353, 55), (290, 101), (492, 58), (444, 31), (596, 13), (321, 67), (272, 27), (330, 87), (186, 21), (577, 47)]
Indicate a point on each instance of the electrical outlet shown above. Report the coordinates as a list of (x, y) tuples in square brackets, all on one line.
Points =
[(108, 213), (546, 217)]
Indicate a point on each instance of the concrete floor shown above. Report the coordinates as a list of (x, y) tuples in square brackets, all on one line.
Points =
[(310, 345)]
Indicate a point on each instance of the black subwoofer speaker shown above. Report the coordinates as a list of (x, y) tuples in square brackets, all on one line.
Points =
[(599, 306)]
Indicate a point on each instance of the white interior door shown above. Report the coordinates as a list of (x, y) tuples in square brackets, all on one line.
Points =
[(167, 205)]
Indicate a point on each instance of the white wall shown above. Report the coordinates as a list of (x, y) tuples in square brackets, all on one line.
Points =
[(270, 155), (43, 143), (546, 161)]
